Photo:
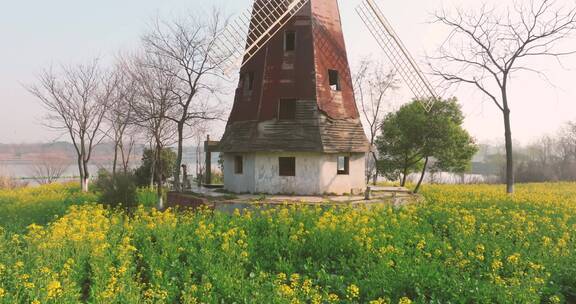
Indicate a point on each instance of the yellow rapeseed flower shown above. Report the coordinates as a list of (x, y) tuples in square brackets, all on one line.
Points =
[(421, 245), (513, 259), (352, 292), (54, 289), (405, 300), (333, 298), (496, 265), (555, 299), (286, 291)]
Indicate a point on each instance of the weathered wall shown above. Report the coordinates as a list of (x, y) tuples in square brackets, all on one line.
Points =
[(339, 184), (316, 173), (238, 183)]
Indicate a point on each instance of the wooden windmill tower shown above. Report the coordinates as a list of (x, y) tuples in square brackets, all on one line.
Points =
[(294, 126)]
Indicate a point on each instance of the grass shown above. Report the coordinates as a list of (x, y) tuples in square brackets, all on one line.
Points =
[(465, 244)]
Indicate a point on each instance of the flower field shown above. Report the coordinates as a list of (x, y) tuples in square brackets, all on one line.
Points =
[(465, 244), (24, 206)]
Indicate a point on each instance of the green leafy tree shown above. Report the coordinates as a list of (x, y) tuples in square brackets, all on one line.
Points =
[(148, 173), (411, 137)]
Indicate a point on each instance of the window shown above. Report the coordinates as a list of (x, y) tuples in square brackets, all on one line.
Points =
[(334, 80), (248, 82), (238, 164), (287, 166), (287, 109), (289, 41), (343, 165)]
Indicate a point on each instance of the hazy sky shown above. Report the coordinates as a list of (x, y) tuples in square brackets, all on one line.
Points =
[(36, 33)]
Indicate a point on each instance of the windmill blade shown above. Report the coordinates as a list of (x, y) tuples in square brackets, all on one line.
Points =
[(251, 30), (395, 50)]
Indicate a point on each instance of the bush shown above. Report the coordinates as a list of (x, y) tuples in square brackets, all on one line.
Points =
[(147, 197), (145, 170), (116, 190), (7, 182)]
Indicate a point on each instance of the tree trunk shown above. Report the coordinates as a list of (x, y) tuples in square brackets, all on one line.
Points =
[(177, 182), (115, 161), (81, 172), (375, 174), (509, 154), (159, 179), (421, 175), (404, 176), (153, 166), (86, 181)]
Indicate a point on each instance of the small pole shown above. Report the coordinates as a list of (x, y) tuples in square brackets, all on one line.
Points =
[(208, 169), (368, 193)]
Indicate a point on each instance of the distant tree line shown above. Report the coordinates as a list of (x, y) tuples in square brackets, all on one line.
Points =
[(550, 158)]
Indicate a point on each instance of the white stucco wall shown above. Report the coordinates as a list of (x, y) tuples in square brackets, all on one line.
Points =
[(239, 183), (316, 173), (354, 182)]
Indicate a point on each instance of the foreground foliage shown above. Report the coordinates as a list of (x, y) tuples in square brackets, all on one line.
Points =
[(466, 244)]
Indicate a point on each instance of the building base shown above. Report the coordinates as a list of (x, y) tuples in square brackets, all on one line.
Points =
[(301, 173)]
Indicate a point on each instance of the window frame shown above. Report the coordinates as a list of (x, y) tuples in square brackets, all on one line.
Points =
[(294, 41), (238, 164), (346, 170), (287, 172), (282, 114), (334, 86)]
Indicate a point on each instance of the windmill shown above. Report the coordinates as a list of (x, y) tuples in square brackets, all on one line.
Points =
[(294, 127), (397, 53), (252, 29), (274, 14)]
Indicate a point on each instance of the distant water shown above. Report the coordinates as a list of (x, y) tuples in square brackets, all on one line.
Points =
[(25, 169)]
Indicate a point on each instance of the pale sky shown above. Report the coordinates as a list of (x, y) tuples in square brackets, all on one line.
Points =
[(36, 33)]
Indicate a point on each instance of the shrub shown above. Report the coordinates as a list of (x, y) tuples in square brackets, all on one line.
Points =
[(143, 173), (8, 182), (147, 197), (116, 190)]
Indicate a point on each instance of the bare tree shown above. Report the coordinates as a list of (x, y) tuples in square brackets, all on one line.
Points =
[(484, 49), (48, 170), (77, 100), (153, 105), (120, 117), (188, 46), (373, 83)]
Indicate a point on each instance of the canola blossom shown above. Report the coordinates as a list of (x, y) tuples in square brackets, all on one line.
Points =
[(463, 244)]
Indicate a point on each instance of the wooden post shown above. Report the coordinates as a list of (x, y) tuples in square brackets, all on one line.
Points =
[(368, 193), (208, 169)]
